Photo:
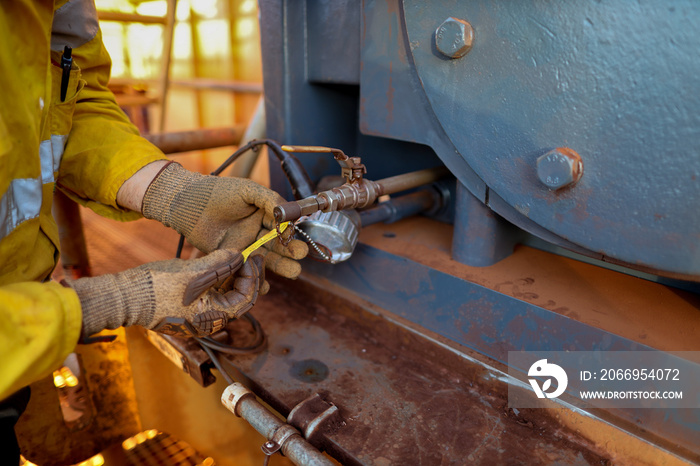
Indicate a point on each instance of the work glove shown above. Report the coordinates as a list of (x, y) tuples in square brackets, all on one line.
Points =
[(177, 297), (220, 213)]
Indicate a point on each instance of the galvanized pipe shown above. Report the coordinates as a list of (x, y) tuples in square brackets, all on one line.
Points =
[(185, 141), (356, 195), (243, 403)]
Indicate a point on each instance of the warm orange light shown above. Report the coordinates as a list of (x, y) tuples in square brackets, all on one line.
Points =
[(70, 379), (129, 443), (58, 380), (97, 460)]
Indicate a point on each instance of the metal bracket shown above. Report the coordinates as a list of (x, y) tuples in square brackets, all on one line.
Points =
[(315, 417), (269, 448), (278, 439), (186, 354)]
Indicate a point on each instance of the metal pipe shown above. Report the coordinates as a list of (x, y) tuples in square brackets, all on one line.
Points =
[(411, 180), (74, 255), (242, 402), (243, 167), (400, 207), (137, 100), (185, 141), (356, 195), (240, 87), (130, 17)]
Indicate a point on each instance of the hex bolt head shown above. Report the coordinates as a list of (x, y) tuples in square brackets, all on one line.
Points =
[(559, 168), (454, 37)]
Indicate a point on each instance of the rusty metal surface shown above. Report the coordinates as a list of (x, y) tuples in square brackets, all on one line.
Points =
[(627, 306), (403, 400), (491, 324), (315, 417)]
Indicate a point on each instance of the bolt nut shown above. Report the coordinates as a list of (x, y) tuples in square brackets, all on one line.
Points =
[(454, 38), (559, 168)]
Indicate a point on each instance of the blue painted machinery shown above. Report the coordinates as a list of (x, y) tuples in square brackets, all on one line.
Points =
[(569, 130)]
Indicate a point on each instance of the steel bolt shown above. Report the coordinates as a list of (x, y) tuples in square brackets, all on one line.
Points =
[(559, 168), (454, 37)]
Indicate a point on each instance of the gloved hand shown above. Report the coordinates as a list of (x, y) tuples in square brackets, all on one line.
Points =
[(220, 213), (175, 289)]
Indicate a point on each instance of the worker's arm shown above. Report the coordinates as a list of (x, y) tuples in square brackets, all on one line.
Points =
[(107, 166), (36, 340), (205, 292), (104, 149), (211, 212)]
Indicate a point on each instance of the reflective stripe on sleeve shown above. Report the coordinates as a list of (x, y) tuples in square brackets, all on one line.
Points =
[(50, 152), (21, 201)]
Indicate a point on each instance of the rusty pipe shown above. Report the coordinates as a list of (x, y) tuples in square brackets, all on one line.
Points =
[(280, 435), (356, 195), (74, 254), (185, 141), (411, 180)]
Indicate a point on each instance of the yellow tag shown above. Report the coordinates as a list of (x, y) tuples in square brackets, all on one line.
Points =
[(270, 235)]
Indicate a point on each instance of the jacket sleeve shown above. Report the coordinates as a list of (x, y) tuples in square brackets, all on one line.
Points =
[(104, 148), (37, 339)]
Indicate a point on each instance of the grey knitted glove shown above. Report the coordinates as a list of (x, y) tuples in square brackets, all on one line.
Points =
[(173, 296), (220, 213)]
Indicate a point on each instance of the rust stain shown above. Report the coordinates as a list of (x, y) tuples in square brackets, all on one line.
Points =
[(404, 400), (390, 96), (618, 303)]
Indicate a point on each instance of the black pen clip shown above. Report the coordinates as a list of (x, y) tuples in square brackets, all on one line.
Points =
[(66, 65)]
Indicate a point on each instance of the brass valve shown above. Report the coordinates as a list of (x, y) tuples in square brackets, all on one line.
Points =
[(357, 192)]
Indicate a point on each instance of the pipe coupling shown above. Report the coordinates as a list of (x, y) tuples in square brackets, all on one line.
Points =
[(233, 395), (349, 196)]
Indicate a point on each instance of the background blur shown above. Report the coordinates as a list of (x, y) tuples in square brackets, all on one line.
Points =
[(215, 72)]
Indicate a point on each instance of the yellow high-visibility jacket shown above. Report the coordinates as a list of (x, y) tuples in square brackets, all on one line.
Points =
[(85, 145)]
